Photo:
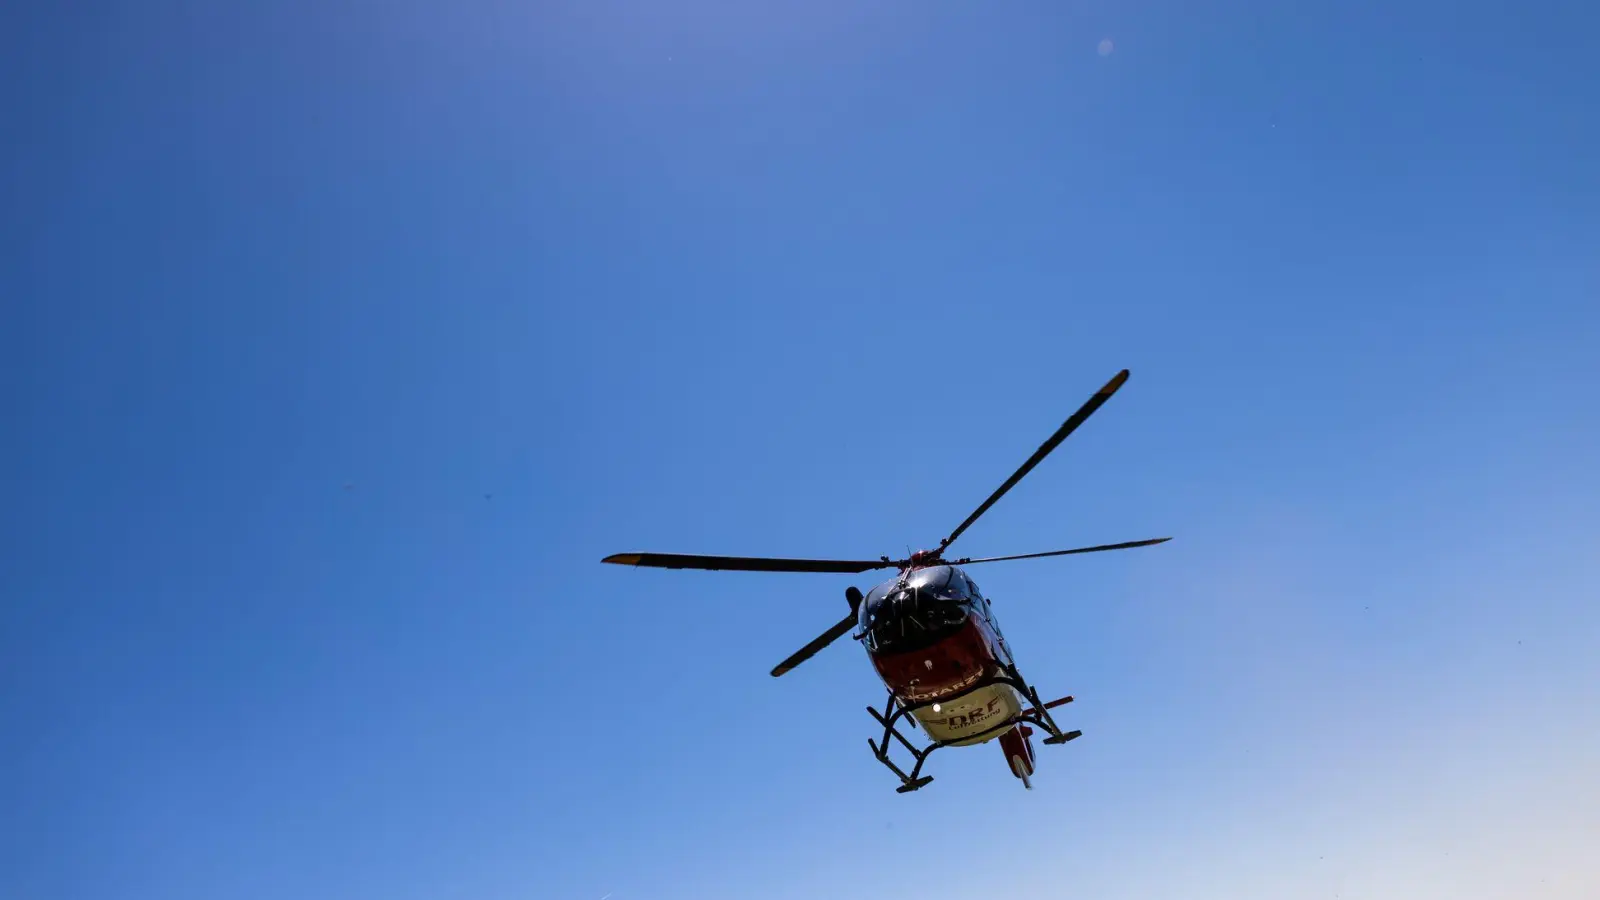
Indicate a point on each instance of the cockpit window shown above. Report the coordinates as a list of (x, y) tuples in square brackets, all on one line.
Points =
[(957, 587), (915, 613)]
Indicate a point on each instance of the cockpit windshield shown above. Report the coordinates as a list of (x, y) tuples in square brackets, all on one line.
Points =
[(916, 611)]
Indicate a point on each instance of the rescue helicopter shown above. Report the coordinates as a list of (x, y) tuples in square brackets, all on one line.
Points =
[(933, 638)]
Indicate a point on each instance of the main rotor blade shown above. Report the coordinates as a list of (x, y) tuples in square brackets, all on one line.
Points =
[(839, 629), (1067, 427), (743, 563), (1124, 546)]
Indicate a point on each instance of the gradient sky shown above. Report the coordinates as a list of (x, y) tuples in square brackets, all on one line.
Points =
[(343, 339)]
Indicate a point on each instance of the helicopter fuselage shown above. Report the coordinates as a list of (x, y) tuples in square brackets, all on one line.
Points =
[(932, 636)]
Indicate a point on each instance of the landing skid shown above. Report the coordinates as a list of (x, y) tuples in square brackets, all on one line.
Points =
[(1038, 716)]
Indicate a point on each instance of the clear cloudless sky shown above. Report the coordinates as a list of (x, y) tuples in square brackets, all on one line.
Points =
[(343, 338)]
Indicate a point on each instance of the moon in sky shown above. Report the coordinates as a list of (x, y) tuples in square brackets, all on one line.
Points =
[(1106, 47)]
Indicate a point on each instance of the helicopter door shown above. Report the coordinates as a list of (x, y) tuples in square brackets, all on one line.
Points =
[(987, 611)]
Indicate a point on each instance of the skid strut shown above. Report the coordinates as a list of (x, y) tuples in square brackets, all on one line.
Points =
[(894, 710)]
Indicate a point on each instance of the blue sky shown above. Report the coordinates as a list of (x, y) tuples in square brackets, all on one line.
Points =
[(344, 339)]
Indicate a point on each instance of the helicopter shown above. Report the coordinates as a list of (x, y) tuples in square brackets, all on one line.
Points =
[(933, 638)]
